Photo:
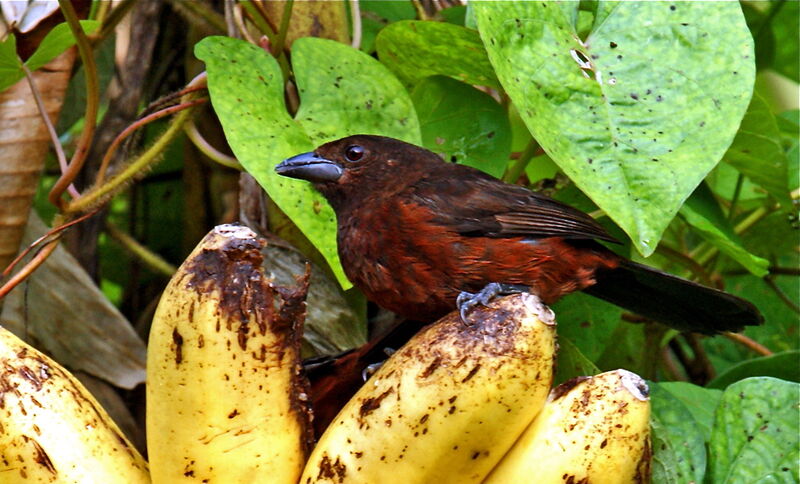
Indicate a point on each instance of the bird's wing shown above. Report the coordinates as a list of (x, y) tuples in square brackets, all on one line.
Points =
[(475, 204)]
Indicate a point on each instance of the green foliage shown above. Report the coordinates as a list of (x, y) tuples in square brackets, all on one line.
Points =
[(58, 40), (638, 113), (449, 50), (747, 434), (781, 365), (679, 453), (463, 124), (755, 436)]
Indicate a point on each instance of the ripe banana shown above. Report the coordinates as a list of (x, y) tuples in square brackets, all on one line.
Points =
[(592, 429), (225, 400), (447, 405), (52, 429)]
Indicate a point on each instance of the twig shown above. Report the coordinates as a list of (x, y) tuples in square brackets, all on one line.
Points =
[(280, 42), (748, 343), (230, 25), (684, 260), (735, 199), (101, 192), (670, 366), (514, 171), (782, 295), (702, 370), (133, 127), (238, 19), (92, 105), (773, 270), (48, 235), (51, 130), (355, 14), (148, 257), (258, 17), (205, 147), (28, 269), (110, 22)]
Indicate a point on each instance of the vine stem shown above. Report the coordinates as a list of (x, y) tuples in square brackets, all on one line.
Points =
[(515, 170), (92, 105), (748, 343), (101, 192), (148, 257), (51, 130), (133, 127)]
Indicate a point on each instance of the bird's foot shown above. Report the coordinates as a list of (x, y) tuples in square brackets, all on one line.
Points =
[(468, 300), (371, 369)]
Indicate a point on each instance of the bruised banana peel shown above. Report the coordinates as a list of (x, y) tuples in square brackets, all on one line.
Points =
[(52, 429), (447, 405), (592, 429), (225, 399)]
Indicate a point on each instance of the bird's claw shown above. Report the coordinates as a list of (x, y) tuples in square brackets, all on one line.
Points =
[(468, 300), (371, 369)]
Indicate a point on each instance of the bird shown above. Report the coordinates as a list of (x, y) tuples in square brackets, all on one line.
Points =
[(422, 237)]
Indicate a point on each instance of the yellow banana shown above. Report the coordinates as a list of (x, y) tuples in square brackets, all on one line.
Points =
[(592, 429), (225, 399), (447, 405), (52, 429)]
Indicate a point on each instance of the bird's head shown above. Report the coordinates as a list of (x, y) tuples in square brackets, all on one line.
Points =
[(346, 169)]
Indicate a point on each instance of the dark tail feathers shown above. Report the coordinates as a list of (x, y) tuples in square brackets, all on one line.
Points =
[(676, 302)]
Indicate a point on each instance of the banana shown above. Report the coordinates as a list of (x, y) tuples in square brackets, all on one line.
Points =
[(592, 429), (52, 429), (447, 405), (225, 398)]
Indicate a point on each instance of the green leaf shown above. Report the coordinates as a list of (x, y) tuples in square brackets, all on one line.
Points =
[(58, 40), (10, 65), (416, 49), (679, 453), (786, 30), (246, 89), (390, 10), (784, 365), (463, 124), (344, 91), (702, 212), (589, 322), (700, 402), (571, 362), (755, 437), (757, 151), (663, 88)]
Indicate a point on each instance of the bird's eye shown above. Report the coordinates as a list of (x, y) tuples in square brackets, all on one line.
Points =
[(354, 153)]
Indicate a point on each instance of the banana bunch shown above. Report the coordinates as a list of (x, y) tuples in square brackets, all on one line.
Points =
[(225, 398), (52, 429), (592, 429), (227, 401), (466, 403), (448, 405)]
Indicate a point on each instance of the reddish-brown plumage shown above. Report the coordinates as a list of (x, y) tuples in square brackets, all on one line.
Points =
[(415, 231)]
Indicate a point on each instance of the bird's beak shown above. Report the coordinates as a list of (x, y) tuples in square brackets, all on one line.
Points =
[(311, 167)]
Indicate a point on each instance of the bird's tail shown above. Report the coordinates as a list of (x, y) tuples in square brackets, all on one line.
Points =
[(676, 302)]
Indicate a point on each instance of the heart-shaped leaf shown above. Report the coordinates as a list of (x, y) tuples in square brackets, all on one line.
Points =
[(343, 92), (639, 112)]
